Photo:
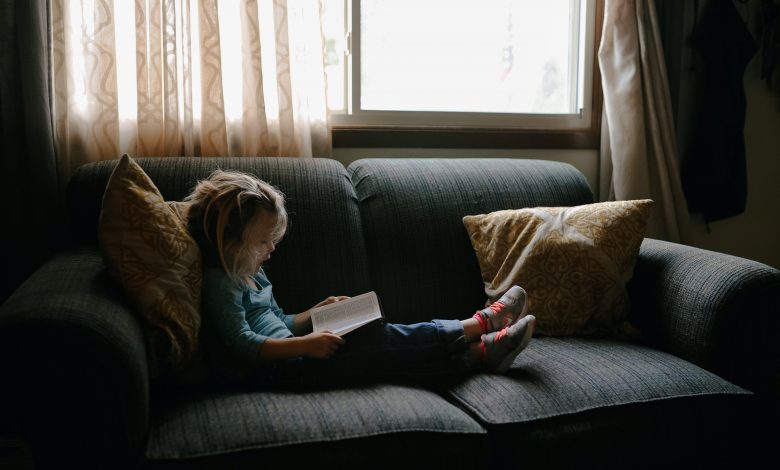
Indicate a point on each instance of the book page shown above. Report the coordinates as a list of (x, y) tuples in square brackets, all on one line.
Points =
[(346, 315)]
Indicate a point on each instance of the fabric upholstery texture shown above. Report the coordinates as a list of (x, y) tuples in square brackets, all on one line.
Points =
[(568, 402), (574, 262), (94, 330), (561, 376), (150, 252), (717, 311), (422, 263), (264, 419)]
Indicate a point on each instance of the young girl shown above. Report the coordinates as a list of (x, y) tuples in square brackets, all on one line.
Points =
[(237, 220)]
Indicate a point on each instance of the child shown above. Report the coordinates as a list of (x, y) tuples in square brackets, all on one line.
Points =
[(237, 220)]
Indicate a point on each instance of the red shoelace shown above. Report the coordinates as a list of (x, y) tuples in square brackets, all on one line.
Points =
[(496, 307)]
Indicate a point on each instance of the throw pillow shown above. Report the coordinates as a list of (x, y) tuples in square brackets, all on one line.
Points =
[(148, 249), (574, 262)]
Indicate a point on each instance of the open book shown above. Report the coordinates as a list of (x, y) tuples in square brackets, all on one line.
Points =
[(346, 315)]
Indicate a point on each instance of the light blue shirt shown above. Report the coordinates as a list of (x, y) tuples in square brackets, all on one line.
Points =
[(243, 317)]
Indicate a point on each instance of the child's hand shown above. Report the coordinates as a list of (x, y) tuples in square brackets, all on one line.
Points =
[(302, 321), (321, 345), (331, 299)]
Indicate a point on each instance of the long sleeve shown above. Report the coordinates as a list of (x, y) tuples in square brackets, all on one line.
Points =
[(224, 308), (265, 284)]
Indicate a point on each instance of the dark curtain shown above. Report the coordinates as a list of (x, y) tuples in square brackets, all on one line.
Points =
[(677, 20), (30, 208), (671, 24)]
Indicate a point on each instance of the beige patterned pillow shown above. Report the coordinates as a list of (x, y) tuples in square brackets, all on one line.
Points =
[(574, 262), (148, 249)]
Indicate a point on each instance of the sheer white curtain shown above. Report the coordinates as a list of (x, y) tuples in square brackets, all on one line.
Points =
[(187, 77), (638, 151)]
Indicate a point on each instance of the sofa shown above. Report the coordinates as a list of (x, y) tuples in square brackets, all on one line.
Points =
[(83, 387)]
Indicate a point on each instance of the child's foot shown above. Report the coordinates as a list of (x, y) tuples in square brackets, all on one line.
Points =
[(502, 347), (502, 313)]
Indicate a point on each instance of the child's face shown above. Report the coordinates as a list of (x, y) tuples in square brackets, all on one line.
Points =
[(258, 238)]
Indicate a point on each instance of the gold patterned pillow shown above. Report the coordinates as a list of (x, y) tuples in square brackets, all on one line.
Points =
[(148, 249), (574, 262)]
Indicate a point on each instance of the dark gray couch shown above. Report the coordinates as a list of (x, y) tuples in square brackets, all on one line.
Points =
[(80, 384)]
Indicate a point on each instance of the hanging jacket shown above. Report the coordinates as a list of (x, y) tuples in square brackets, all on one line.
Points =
[(714, 174)]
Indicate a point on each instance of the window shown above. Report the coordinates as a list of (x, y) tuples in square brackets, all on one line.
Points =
[(475, 66)]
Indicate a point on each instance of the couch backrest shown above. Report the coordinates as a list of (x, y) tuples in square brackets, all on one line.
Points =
[(421, 259), (323, 252)]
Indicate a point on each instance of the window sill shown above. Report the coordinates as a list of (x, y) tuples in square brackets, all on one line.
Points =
[(454, 137)]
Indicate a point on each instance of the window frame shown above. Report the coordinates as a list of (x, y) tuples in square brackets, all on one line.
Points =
[(350, 133)]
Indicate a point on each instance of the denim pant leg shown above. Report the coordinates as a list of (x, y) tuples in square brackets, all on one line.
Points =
[(384, 350)]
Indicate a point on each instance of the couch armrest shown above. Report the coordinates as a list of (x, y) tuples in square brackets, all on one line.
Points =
[(718, 311), (73, 357)]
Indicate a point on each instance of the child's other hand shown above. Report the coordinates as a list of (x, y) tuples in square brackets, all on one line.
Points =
[(331, 299), (321, 345)]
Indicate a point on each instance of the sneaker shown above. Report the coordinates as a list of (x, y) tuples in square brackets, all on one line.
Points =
[(500, 348), (504, 312)]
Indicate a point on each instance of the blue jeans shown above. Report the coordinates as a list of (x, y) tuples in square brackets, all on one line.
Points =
[(380, 350)]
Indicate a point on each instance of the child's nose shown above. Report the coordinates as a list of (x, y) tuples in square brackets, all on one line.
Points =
[(272, 247)]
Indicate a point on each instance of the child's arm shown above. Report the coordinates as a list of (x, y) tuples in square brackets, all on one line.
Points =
[(319, 345)]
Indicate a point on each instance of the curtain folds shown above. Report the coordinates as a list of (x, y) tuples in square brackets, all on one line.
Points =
[(187, 77), (639, 153), (29, 195)]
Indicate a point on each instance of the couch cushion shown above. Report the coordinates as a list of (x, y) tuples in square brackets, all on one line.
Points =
[(562, 376), (227, 423), (324, 222), (597, 403), (421, 260)]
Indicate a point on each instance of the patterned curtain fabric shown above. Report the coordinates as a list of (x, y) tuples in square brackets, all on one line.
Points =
[(187, 77), (638, 152)]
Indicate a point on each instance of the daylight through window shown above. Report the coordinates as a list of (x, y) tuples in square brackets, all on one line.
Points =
[(460, 62)]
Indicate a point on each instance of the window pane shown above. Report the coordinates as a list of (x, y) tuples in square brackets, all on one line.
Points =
[(333, 30), (496, 56)]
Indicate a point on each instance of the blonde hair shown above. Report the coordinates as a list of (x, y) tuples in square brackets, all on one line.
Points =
[(219, 210)]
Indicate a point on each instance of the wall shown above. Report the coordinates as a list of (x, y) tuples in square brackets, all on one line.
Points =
[(754, 234)]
